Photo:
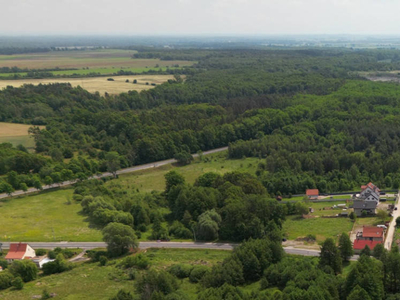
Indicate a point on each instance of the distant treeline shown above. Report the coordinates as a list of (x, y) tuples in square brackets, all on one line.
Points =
[(17, 50)]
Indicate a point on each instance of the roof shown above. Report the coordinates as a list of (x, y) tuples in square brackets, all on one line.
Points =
[(363, 204), (372, 232), (312, 192), (371, 186), (360, 244), (17, 251)]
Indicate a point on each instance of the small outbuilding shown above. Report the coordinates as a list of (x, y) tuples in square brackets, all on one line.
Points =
[(312, 194)]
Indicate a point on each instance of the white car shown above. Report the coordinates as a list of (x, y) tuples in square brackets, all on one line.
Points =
[(382, 226)]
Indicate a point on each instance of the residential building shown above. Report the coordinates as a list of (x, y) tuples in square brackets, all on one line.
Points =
[(370, 233), (367, 200), (312, 194), (19, 251), (361, 205), (360, 244), (370, 192)]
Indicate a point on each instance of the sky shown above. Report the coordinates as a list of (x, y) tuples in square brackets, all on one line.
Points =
[(199, 17)]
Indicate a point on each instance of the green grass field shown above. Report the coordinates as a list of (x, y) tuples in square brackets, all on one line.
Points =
[(322, 228), (47, 217), (153, 179), (25, 140), (90, 281)]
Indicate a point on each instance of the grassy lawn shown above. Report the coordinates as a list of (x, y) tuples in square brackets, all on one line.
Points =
[(45, 217), (90, 281), (153, 179), (322, 228)]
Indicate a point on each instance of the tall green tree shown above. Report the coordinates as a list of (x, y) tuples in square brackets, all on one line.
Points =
[(330, 256), (119, 238), (345, 247)]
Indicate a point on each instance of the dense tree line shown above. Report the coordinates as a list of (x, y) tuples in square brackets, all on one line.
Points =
[(333, 143)]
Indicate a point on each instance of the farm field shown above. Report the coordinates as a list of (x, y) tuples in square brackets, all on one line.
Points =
[(110, 58), (98, 84), (16, 134), (91, 281), (322, 228), (47, 216)]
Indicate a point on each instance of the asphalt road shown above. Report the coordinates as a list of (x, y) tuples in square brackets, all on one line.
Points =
[(107, 174), (171, 245), (392, 225)]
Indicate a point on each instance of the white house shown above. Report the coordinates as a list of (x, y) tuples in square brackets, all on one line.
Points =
[(19, 251)]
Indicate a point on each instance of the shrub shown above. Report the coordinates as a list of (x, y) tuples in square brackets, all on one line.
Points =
[(198, 273), (58, 266), (40, 252), (137, 261), (3, 263), (180, 270), (52, 254), (26, 269), (18, 283), (95, 255), (5, 280), (110, 79), (103, 260), (77, 197)]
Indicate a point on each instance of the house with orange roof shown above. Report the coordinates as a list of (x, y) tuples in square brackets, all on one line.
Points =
[(360, 245), (19, 251), (312, 194), (371, 233)]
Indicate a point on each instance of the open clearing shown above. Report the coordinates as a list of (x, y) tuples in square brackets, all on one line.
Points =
[(48, 217), (98, 84), (322, 228), (16, 134), (44, 218), (91, 281), (111, 58)]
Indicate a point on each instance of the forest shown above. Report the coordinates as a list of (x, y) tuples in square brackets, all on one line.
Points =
[(309, 116)]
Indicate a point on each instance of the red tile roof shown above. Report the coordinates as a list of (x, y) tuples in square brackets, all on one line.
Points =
[(360, 244), (372, 232), (312, 192), (17, 251), (371, 186)]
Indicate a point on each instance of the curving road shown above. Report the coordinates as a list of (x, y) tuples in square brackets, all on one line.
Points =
[(107, 174)]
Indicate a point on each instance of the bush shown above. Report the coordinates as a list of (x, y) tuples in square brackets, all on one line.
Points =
[(3, 263), (142, 228), (26, 269), (180, 270), (18, 283), (77, 197), (95, 255), (137, 261), (110, 79), (52, 254), (198, 273), (58, 266), (123, 295), (67, 253), (103, 260), (40, 252), (5, 280)]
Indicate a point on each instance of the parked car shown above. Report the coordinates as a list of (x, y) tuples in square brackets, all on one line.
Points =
[(382, 226)]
